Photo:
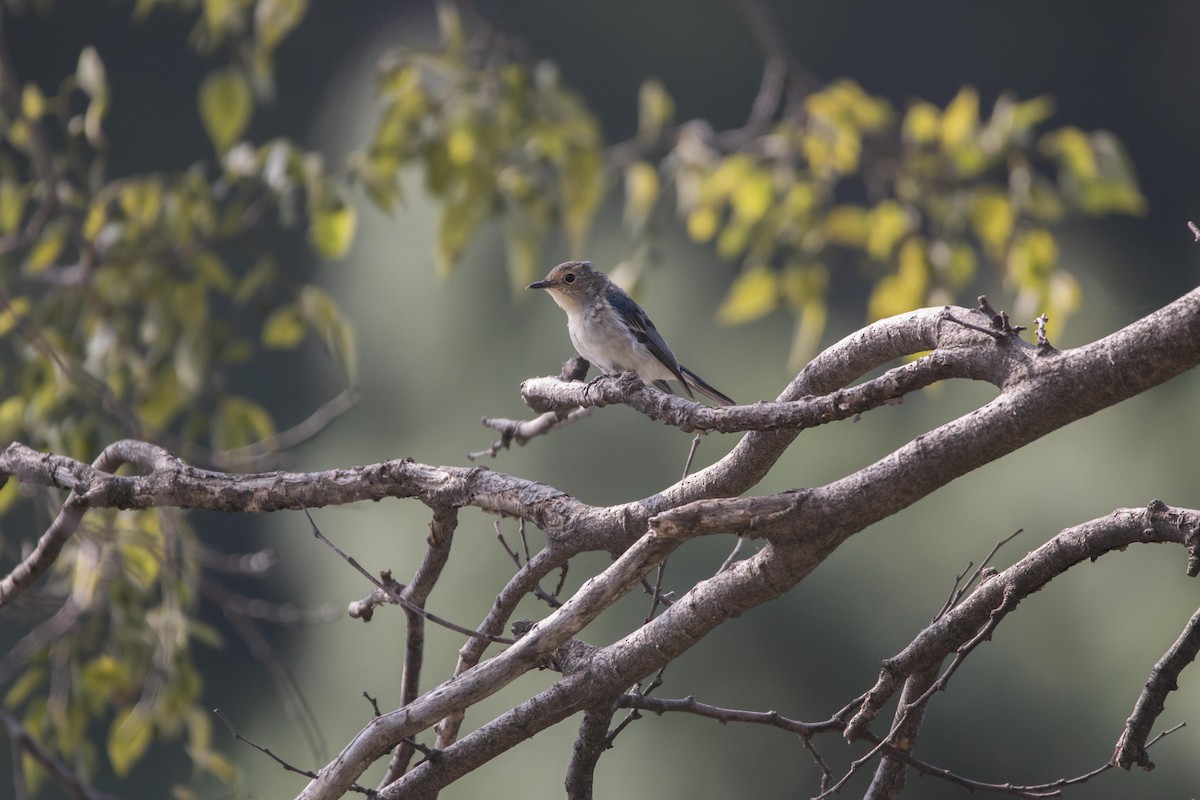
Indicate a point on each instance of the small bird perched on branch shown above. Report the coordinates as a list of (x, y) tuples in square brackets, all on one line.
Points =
[(612, 331)]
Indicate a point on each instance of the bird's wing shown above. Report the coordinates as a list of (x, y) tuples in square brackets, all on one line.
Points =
[(646, 333)]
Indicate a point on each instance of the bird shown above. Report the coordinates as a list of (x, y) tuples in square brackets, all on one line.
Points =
[(610, 330)]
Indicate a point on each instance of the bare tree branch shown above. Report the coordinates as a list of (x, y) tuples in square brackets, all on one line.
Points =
[(437, 553), (971, 622), (1164, 679), (801, 527)]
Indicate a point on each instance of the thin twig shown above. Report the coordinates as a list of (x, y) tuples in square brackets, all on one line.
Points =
[(25, 745), (267, 752), (396, 598)]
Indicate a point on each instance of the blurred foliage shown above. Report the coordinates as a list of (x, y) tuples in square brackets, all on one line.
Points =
[(126, 301), (918, 200)]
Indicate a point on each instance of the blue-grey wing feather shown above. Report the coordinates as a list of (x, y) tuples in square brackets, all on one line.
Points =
[(645, 332)]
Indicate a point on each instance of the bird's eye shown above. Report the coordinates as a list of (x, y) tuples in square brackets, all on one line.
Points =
[(569, 277)]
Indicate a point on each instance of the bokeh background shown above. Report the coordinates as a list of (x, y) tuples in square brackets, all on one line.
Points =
[(1045, 699)]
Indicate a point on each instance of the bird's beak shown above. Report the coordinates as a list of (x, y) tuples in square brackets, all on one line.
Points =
[(538, 285)]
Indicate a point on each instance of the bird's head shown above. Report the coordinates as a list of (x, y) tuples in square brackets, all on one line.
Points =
[(572, 283)]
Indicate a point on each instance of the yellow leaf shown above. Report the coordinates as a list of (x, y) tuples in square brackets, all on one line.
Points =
[(17, 308), (655, 110), (922, 123), (283, 329), (754, 294), (30, 680), (141, 202), (215, 12), (887, 224), (331, 230), (460, 146), (847, 225), (12, 414), (139, 565), (734, 238), (458, 221), (961, 118), (753, 196), (641, 193), (904, 290), (47, 249), (33, 103), (993, 218), (128, 738), (1074, 149), (1028, 113), (702, 223), (9, 494), (1031, 259), (804, 284), (274, 19), (225, 106), (12, 205), (96, 217), (221, 767)]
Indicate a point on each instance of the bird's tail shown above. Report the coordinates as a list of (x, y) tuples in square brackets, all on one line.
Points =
[(694, 381)]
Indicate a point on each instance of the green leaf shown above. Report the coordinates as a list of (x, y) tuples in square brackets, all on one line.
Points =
[(755, 293), (128, 738), (331, 229), (161, 398), (284, 328), (323, 316), (213, 272), (220, 766), (261, 276), (240, 421), (225, 106)]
